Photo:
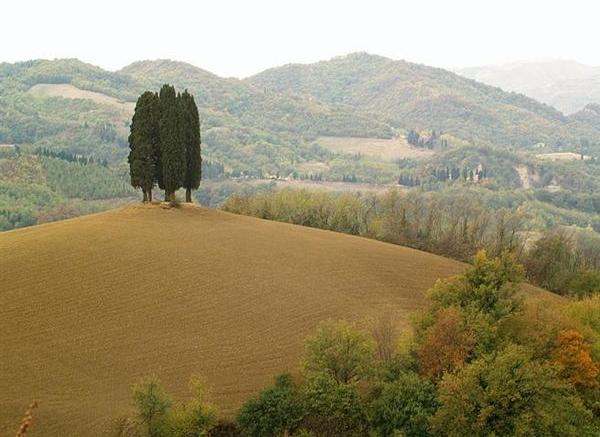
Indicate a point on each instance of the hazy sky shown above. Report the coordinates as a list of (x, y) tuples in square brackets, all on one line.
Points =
[(239, 38)]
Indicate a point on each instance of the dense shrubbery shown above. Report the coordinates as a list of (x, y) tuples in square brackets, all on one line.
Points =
[(477, 363)]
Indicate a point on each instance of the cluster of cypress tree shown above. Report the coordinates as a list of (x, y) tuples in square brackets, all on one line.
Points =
[(434, 140), (165, 143)]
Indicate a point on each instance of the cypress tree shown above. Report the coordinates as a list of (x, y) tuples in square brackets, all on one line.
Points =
[(143, 139), (172, 150), (190, 130)]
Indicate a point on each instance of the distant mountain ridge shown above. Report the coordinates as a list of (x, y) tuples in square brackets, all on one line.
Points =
[(566, 85), (269, 122)]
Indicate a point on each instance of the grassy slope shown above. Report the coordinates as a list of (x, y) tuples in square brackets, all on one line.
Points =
[(90, 305), (115, 296)]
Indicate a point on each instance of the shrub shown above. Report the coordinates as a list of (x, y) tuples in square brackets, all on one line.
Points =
[(152, 404), (508, 394), (404, 406), (277, 410), (340, 351), (333, 408)]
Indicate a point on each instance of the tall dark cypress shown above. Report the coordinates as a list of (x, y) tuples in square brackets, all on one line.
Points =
[(190, 131), (143, 140), (172, 150)]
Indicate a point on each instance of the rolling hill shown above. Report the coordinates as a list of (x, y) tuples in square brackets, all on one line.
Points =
[(413, 95), (69, 105), (89, 305)]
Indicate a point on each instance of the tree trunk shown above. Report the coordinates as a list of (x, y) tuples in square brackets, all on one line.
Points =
[(188, 195), (167, 196), (150, 195), (145, 196)]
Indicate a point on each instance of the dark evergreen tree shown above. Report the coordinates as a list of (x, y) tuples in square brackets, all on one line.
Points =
[(143, 140), (172, 150), (190, 132)]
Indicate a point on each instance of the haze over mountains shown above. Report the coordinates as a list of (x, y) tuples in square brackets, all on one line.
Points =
[(567, 85)]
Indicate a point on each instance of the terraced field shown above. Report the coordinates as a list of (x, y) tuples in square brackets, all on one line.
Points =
[(89, 305)]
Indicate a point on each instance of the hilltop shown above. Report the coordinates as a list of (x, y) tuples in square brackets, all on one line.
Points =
[(89, 305)]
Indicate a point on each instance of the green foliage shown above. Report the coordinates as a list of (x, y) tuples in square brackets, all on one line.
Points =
[(584, 282), (172, 151), (488, 287), (191, 138), (156, 418), (587, 311), (152, 404), (38, 189), (144, 143), (339, 351), (193, 418), (508, 394), (403, 406), (564, 264), (524, 373), (548, 262), (277, 411), (89, 182), (333, 408)]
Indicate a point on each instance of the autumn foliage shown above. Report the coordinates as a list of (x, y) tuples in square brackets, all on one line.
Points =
[(446, 346), (574, 358)]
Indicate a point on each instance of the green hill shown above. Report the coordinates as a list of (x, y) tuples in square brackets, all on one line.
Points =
[(418, 96), (251, 127)]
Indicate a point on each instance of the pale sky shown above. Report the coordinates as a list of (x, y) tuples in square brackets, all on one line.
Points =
[(240, 38)]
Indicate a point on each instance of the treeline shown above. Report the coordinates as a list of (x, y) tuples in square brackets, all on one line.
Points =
[(445, 174), (88, 182), (165, 143), (69, 157), (478, 362), (454, 224)]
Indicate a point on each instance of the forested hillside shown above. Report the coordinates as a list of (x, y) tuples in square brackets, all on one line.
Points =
[(248, 129), (413, 95)]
